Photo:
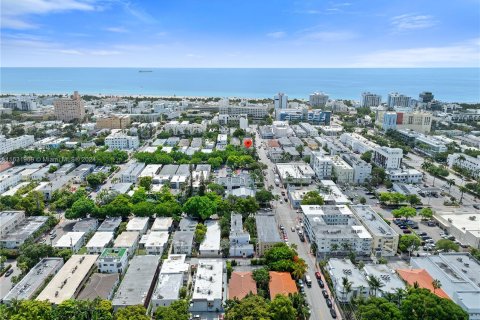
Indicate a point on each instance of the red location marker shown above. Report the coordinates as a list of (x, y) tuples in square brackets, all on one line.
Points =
[(247, 142)]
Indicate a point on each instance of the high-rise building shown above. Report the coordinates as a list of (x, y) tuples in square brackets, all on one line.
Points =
[(68, 109), (387, 158), (425, 97), (318, 99), (396, 99), (281, 101), (371, 99)]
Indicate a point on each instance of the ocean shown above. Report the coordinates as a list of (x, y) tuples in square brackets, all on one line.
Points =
[(447, 84)]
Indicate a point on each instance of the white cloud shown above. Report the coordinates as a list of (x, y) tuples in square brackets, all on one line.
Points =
[(14, 12), (412, 21), (276, 35), (329, 36), (456, 55), (117, 29), (104, 52), (71, 52)]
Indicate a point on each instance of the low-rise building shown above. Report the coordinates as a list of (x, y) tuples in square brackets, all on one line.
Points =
[(71, 240), (138, 283), (384, 238), (132, 172), (110, 224), (241, 284), (362, 170), (112, 121), (86, 225), (340, 268), (187, 224), (390, 281), (240, 245), (9, 220), (209, 289), (68, 282), (459, 274), (267, 232), (335, 229), (121, 141), (113, 260), (162, 224), (128, 240), (100, 285), (182, 242), (139, 224), (465, 162), (387, 158), (22, 232), (322, 165), (463, 226), (210, 247), (21, 142), (35, 279), (98, 242), (295, 173), (404, 175), (281, 283), (155, 242), (342, 171)]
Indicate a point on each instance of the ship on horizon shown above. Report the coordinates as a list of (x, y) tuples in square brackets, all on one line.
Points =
[(145, 70)]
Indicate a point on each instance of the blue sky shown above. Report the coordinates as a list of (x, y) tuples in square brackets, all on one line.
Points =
[(240, 33)]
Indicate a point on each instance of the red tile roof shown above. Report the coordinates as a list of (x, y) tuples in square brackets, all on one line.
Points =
[(281, 283), (241, 284), (423, 278)]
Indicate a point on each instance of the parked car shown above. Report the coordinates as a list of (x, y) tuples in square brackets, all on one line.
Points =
[(333, 313), (431, 223), (421, 234), (8, 273), (329, 303), (325, 293), (320, 283), (318, 275), (407, 231), (293, 229), (53, 236)]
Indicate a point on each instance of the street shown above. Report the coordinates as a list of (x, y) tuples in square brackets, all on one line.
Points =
[(289, 218), (6, 282)]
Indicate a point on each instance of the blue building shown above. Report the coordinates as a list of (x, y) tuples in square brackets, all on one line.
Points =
[(389, 121), (319, 117)]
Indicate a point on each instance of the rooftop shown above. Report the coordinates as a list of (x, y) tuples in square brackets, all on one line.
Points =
[(126, 239), (241, 284), (137, 224), (212, 237), (113, 253), (85, 225), (137, 281), (162, 224), (69, 239), (267, 230), (168, 286), (372, 221), (25, 229), (99, 285), (208, 280), (110, 224), (339, 268), (100, 239), (423, 279), (387, 276), (281, 283), (66, 282), (175, 263)]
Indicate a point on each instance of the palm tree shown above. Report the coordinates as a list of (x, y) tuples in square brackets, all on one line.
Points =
[(346, 287), (416, 285), (436, 285), (450, 182), (400, 295), (299, 269), (462, 190), (374, 284), (334, 247)]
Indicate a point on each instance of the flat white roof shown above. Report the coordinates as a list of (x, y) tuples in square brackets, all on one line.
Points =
[(126, 239), (66, 282), (462, 221), (175, 263), (391, 281), (319, 210), (373, 221), (156, 239), (212, 238), (339, 268), (100, 239), (69, 239), (208, 280), (162, 224), (137, 224)]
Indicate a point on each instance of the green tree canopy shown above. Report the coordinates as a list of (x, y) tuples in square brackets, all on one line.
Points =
[(378, 309), (407, 241), (251, 307), (96, 179), (200, 206), (405, 212), (447, 245), (178, 310), (137, 312), (145, 182), (281, 308), (312, 198)]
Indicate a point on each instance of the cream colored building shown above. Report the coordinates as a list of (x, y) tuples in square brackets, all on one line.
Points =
[(68, 109), (342, 170), (112, 122)]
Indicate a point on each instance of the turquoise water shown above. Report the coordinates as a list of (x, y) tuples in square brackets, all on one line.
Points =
[(447, 84)]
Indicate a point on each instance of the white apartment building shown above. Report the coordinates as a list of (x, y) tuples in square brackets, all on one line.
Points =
[(334, 228), (466, 162), (139, 224), (384, 238), (185, 127), (404, 175), (255, 111), (68, 109), (240, 245), (396, 99), (357, 143), (342, 171), (132, 172), (322, 165), (128, 240), (9, 178), (318, 99), (371, 99), (429, 145), (387, 158), (121, 141), (22, 142), (309, 129), (9, 220), (71, 240), (340, 268), (99, 242), (155, 242), (295, 173), (210, 247), (162, 224), (209, 286), (389, 279), (113, 260), (362, 171)]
